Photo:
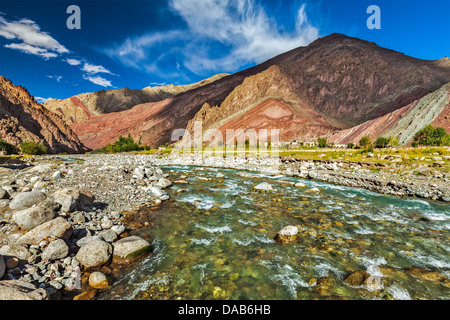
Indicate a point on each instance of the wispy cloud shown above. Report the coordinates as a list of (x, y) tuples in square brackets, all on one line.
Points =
[(73, 62), (99, 81), (94, 69), (42, 100), (33, 40), (57, 78), (220, 36)]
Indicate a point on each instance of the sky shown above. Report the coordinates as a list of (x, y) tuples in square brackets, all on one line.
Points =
[(139, 43)]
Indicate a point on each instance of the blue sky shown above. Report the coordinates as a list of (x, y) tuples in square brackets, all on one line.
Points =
[(138, 43)]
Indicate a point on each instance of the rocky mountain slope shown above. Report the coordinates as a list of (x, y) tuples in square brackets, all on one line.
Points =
[(335, 83), (23, 119), (88, 105), (403, 123)]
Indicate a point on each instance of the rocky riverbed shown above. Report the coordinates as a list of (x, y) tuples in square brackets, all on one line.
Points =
[(62, 229)]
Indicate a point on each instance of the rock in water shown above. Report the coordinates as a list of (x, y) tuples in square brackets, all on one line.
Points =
[(264, 186), (30, 218), (26, 200), (287, 234), (98, 280), (130, 248), (94, 254), (58, 228)]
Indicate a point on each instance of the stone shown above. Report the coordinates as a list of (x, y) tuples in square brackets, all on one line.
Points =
[(287, 234), (357, 278), (67, 198), (300, 185), (26, 200), (57, 249), (163, 183), (219, 175), (3, 194), (2, 266), (157, 192), (130, 248), (15, 250), (30, 218), (108, 235), (85, 240), (20, 290), (119, 229), (86, 198), (11, 263), (426, 274), (98, 280), (57, 175), (264, 186), (57, 227), (94, 254), (107, 224)]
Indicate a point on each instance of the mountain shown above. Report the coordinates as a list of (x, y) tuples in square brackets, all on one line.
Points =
[(23, 119), (335, 83), (85, 106), (405, 122)]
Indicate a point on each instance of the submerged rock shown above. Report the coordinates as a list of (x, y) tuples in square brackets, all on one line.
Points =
[(264, 186), (98, 280), (426, 274), (287, 234), (130, 248)]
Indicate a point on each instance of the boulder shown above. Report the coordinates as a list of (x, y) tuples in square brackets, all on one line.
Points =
[(57, 249), (14, 250), (363, 278), (163, 183), (67, 198), (20, 290), (58, 228), (3, 194), (94, 254), (26, 200), (98, 280), (2, 266), (130, 248), (426, 274), (287, 234), (108, 235), (264, 186), (30, 218)]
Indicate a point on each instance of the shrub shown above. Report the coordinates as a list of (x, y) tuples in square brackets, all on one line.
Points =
[(32, 148), (382, 142), (431, 136), (365, 142), (9, 148), (415, 144), (350, 145), (322, 142)]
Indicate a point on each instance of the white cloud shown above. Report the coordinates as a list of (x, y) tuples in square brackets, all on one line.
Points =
[(42, 100), (57, 78), (73, 62), (34, 41), (221, 36), (99, 81), (93, 69), (29, 49)]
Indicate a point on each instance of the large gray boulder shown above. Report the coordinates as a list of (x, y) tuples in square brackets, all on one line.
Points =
[(13, 250), (94, 254), (58, 228), (20, 290), (26, 200), (3, 194), (71, 199), (30, 218), (57, 249), (130, 248)]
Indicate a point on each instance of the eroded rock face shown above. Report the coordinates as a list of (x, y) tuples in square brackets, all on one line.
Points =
[(23, 119)]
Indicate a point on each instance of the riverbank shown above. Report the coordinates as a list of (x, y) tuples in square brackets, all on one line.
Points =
[(85, 200)]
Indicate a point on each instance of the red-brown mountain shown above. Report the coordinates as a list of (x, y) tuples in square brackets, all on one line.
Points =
[(23, 119), (335, 83)]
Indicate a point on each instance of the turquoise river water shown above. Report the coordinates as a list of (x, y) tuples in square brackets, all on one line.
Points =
[(215, 241)]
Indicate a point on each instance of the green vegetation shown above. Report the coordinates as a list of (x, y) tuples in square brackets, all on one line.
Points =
[(382, 142), (322, 142), (365, 142), (32, 148), (350, 145), (431, 136), (122, 145), (9, 148)]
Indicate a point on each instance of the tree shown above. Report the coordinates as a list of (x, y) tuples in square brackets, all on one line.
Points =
[(322, 142), (382, 142), (365, 142), (350, 145), (32, 148), (9, 148), (431, 136)]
